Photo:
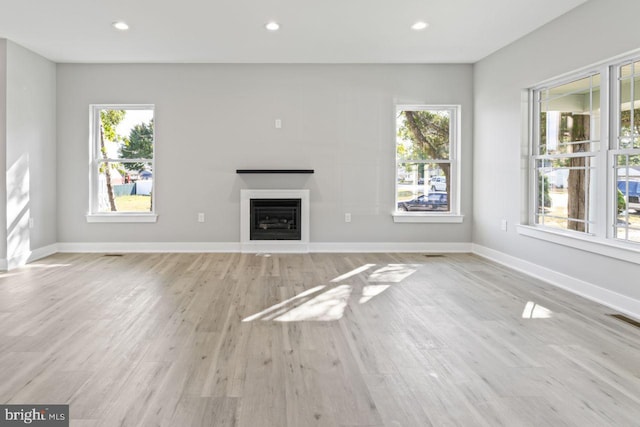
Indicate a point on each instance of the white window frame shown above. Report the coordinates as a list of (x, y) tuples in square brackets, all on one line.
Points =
[(615, 149), (95, 158), (455, 121), (598, 157), (602, 238)]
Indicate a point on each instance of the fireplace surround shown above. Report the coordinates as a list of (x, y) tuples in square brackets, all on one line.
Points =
[(274, 220)]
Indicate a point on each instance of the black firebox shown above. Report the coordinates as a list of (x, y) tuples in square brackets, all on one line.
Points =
[(275, 219)]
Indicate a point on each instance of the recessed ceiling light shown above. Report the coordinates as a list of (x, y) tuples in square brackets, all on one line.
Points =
[(120, 25), (420, 25), (272, 26)]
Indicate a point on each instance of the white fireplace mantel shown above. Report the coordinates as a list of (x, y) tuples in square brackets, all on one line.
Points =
[(256, 246)]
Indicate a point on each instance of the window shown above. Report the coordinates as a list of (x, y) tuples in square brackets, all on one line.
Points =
[(566, 144), (122, 163), (585, 159), (626, 152), (427, 141)]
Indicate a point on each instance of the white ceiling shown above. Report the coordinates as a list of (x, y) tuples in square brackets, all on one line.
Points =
[(232, 31)]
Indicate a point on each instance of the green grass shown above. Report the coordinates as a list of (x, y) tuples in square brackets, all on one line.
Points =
[(133, 203)]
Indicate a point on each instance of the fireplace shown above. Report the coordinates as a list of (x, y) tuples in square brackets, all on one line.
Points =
[(274, 220)]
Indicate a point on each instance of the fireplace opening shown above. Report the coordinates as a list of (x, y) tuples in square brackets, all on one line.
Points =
[(275, 219)]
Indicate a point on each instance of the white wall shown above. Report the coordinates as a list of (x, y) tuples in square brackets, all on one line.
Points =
[(214, 119), (3, 145), (593, 32), (30, 152)]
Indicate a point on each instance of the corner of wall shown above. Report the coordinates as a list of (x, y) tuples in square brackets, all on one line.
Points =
[(29, 166), (3, 152)]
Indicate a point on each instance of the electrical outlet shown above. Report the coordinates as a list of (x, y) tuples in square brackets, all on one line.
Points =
[(278, 123), (201, 217), (347, 217), (31, 222), (503, 225)]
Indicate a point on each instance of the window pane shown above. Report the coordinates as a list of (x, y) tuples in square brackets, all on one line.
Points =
[(630, 230), (632, 161), (564, 193), (125, 187), (423, 134), (626, 70), (628, 197), (569, 115), (126, 134), (580, 86), (628, 142), (553, 222), (565, 132), (629, 107), (423, 187)]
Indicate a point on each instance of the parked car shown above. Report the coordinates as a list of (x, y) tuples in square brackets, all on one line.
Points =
[(438, 183), (436, 201), (631, 189)]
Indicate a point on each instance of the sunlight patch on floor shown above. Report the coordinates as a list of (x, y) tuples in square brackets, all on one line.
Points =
[(328, 302), (273, 311), (393, 273), (352, 273), (4, 275), (327, 306), (371, 291), (535, 311), (45, 265)]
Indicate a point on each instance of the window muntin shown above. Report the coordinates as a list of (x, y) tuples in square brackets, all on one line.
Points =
[(426, 161), (122, 159), (565, 147)]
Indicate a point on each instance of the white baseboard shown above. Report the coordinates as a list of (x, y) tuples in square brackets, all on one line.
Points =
[(26, 257), (614, 300), (376, 247), (149, 247), (335, 247)]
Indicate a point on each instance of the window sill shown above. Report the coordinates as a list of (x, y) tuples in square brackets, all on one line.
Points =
[(406, 217), (122, 217), (586, 243)]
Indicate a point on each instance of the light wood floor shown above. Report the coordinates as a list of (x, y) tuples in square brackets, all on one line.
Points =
[(306, 340)]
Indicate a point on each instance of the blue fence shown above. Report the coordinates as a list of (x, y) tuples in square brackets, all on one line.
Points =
[(124, 189)]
